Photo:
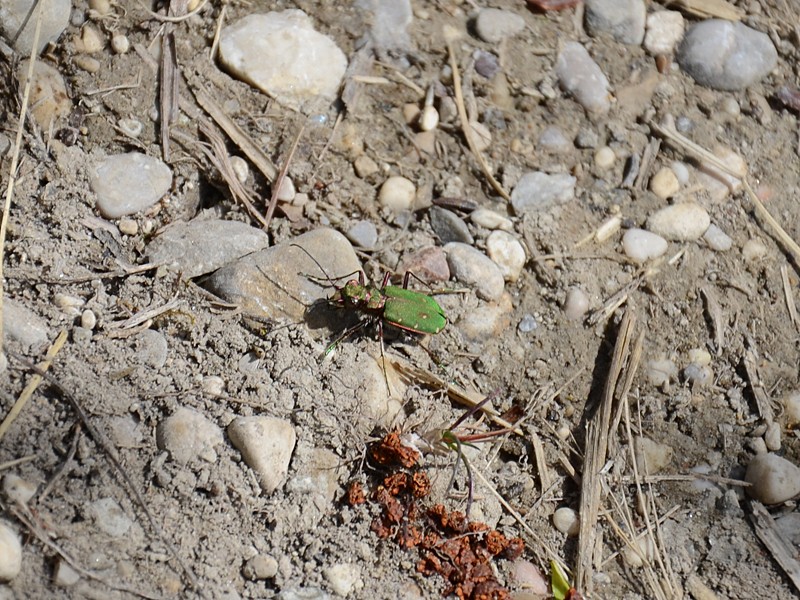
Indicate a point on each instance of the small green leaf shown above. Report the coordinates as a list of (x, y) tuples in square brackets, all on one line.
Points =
[(558, 581)]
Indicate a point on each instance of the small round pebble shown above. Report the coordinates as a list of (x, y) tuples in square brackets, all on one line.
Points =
[(553, 140), (131, 127), (624, 20), (566, 521), (772, 437), (287, 191), (576, 304), (664, 32), (684, 222), (681, 171), (10, 553), (528, 576), (773, 479), (397, 194), (661, 372), (717, 239), (91, 40), (699, 356), (640, 245), (240, 168), (64, 575), (365, 166), (493, 24), (448, 226), (489, 219), (635, 557), (260, 566), (128, 226), (213, 385), (120, 43), (507, 253), (473, 268), (88, 319), (604, 158), (343, 578), (188, 435), (363, 234), (698, 375), (527, 324), (664, 183), (724, 55), (17, 490)]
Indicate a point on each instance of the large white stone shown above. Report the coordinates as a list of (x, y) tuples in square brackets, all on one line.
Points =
[(282, 54), (266, 444)]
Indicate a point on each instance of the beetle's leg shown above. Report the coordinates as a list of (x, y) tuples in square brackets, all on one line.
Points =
[(345, 334), (386, 279), (383, 358)]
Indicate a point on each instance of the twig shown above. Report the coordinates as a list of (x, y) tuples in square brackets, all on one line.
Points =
[(466, 128), (782, 551), (789, 296), (145, 315), (276, 186)]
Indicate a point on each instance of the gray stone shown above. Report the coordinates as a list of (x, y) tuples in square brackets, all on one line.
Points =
[(726, 56), (493, 25), (188, 435), (204, 245), (622, 19), (473, 268), (363, 234), (16, 13), (109, 517), (538, 191), (580, 76), (128, 183), (448, 226), (23, 325), (280, 282), (281, 54), (266, 444)]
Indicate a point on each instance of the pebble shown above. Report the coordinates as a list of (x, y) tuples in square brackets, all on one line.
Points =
[(188, 435), (576, 304), (88, 319), (640, 553), (527, 324), (152, 348), (652, 456), (717, 239), (343, 578), (494, 25), (640, 245), (274, 283), (538, 191), (365, 166), (109, 517), (90, 41), (664, 32), (622, 19), (772, 437), (486, 64), (131, 127), (488, 219), (429, 264), (128, 183), (10, 552), (718, 183), (86, 63), (698, 375), (286, 192), (17, 490), (724, 55), (554, 140), (389, 27), (282, 54), (376, 402), (128, 226), (13, 14), (448, 226), (120, 43), (49, 101), (23, 325), (789, 526), (487, 321), (507, 252), (266, 444), (363, 234), (661, 372), (791, 404), (664, 183), (567, 521), (754, 250), (213, 385), (681, 171), (397, 194), (528, 576), (773, 479), (473, 268), (699, 356), (683, 222), (604, 158), (69, 305), (580, 76), (201, 246), (260, 566)]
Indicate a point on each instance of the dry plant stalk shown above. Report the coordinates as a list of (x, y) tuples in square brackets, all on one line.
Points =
[(599, 436), (782, 551)]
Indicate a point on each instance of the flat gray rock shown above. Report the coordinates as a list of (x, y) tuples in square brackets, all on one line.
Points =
[(204, 245), (539, 191), (128, 183)]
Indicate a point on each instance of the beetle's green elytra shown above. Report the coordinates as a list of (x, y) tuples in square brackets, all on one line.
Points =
[(412, 311)]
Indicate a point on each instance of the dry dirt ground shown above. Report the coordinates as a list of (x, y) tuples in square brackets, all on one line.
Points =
[(215, 514)]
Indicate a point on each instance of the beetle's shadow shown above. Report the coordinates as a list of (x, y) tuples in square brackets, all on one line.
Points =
[(322, 315)]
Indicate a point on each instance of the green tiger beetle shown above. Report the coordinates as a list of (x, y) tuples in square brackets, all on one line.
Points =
[(398, 306)]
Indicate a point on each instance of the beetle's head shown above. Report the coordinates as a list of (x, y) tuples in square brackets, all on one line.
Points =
[(351, 295)]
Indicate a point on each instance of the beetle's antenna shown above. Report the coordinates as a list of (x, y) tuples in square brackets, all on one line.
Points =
[(316, 262)]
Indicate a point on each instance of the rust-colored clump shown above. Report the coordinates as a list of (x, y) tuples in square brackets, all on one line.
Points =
[(355, 494), (449, 545)]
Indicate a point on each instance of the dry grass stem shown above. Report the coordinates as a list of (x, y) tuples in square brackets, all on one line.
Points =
[(168, 88), (466, 128), (17, 461), (276, 185), (714, 312), (598, 437), (32, 384), (789, 296), (146, 315), (763, 403)]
